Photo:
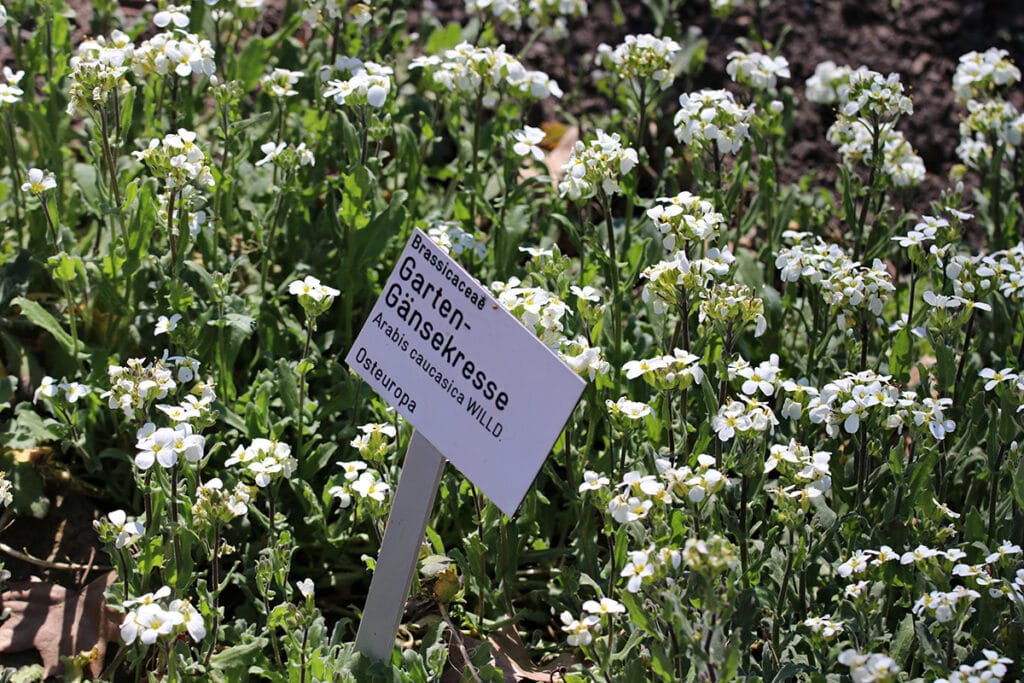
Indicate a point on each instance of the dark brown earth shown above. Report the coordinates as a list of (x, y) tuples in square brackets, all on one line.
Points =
[(919, 39)]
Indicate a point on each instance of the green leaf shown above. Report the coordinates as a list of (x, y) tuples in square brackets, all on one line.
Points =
[(288, 386), (236, 660), (903, 641), (899, 356), (443, 39), (42, 318), (1018, 483)]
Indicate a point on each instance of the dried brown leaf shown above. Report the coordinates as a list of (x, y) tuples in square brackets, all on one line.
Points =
[(58, 621)]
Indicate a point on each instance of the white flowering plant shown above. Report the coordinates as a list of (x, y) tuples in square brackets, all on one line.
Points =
[(798, 452)]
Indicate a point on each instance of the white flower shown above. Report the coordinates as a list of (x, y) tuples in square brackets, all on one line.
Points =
[(173, 14), (637, 569), (605, 607), (39, 181), (311, 287), (759, 71), (592, 481), (527, 142), (579, 629), (165, 325), (127, 532), (369, 485), (306, 588)]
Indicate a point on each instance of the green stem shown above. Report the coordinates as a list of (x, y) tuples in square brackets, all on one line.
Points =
[(968, 334), (780, 601), (876, 143), (268, 247), (115, 190), (478, 114), (214, 591), (302, 386), (613, 282), (994, 492), (175, 536), (15, 167)]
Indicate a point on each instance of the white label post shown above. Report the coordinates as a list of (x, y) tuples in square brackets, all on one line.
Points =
[(400, 549), (480, 390)]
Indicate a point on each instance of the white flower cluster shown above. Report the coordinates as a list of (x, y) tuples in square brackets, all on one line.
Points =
[(369, 83), (178, 160), (900, 163), (869, 668), (646, 565), (991, 120), (732, 306), (361, 481), (991, 668), (696, 483), (62, 391), (756, 70), (749, 418), (830, 83), (453, 239), (469, 72), (148, 619), (676, 371), (854, 288), (118, 529), (537, 308), (135, 385), (763, 378), (928, 413), (814, 262), (10, 93), (685, 217), (550, 15), (596, 164), (165, 445), (981, 75), (925, 230), (625, 413), (710, 557), (803, 474), (588, 361), (1010, 272), (665, 279), (974, 277), (987, 121), (374, 440), (825, 626), (179, 52), (98, 70), (264, 460), (286, 156), (214, 503), (945, 605), (280, 83), (856, 397), (712, 119), (875, 98), (641, 58)]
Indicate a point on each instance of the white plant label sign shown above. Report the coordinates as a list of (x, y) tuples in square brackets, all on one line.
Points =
[(471, 379)]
